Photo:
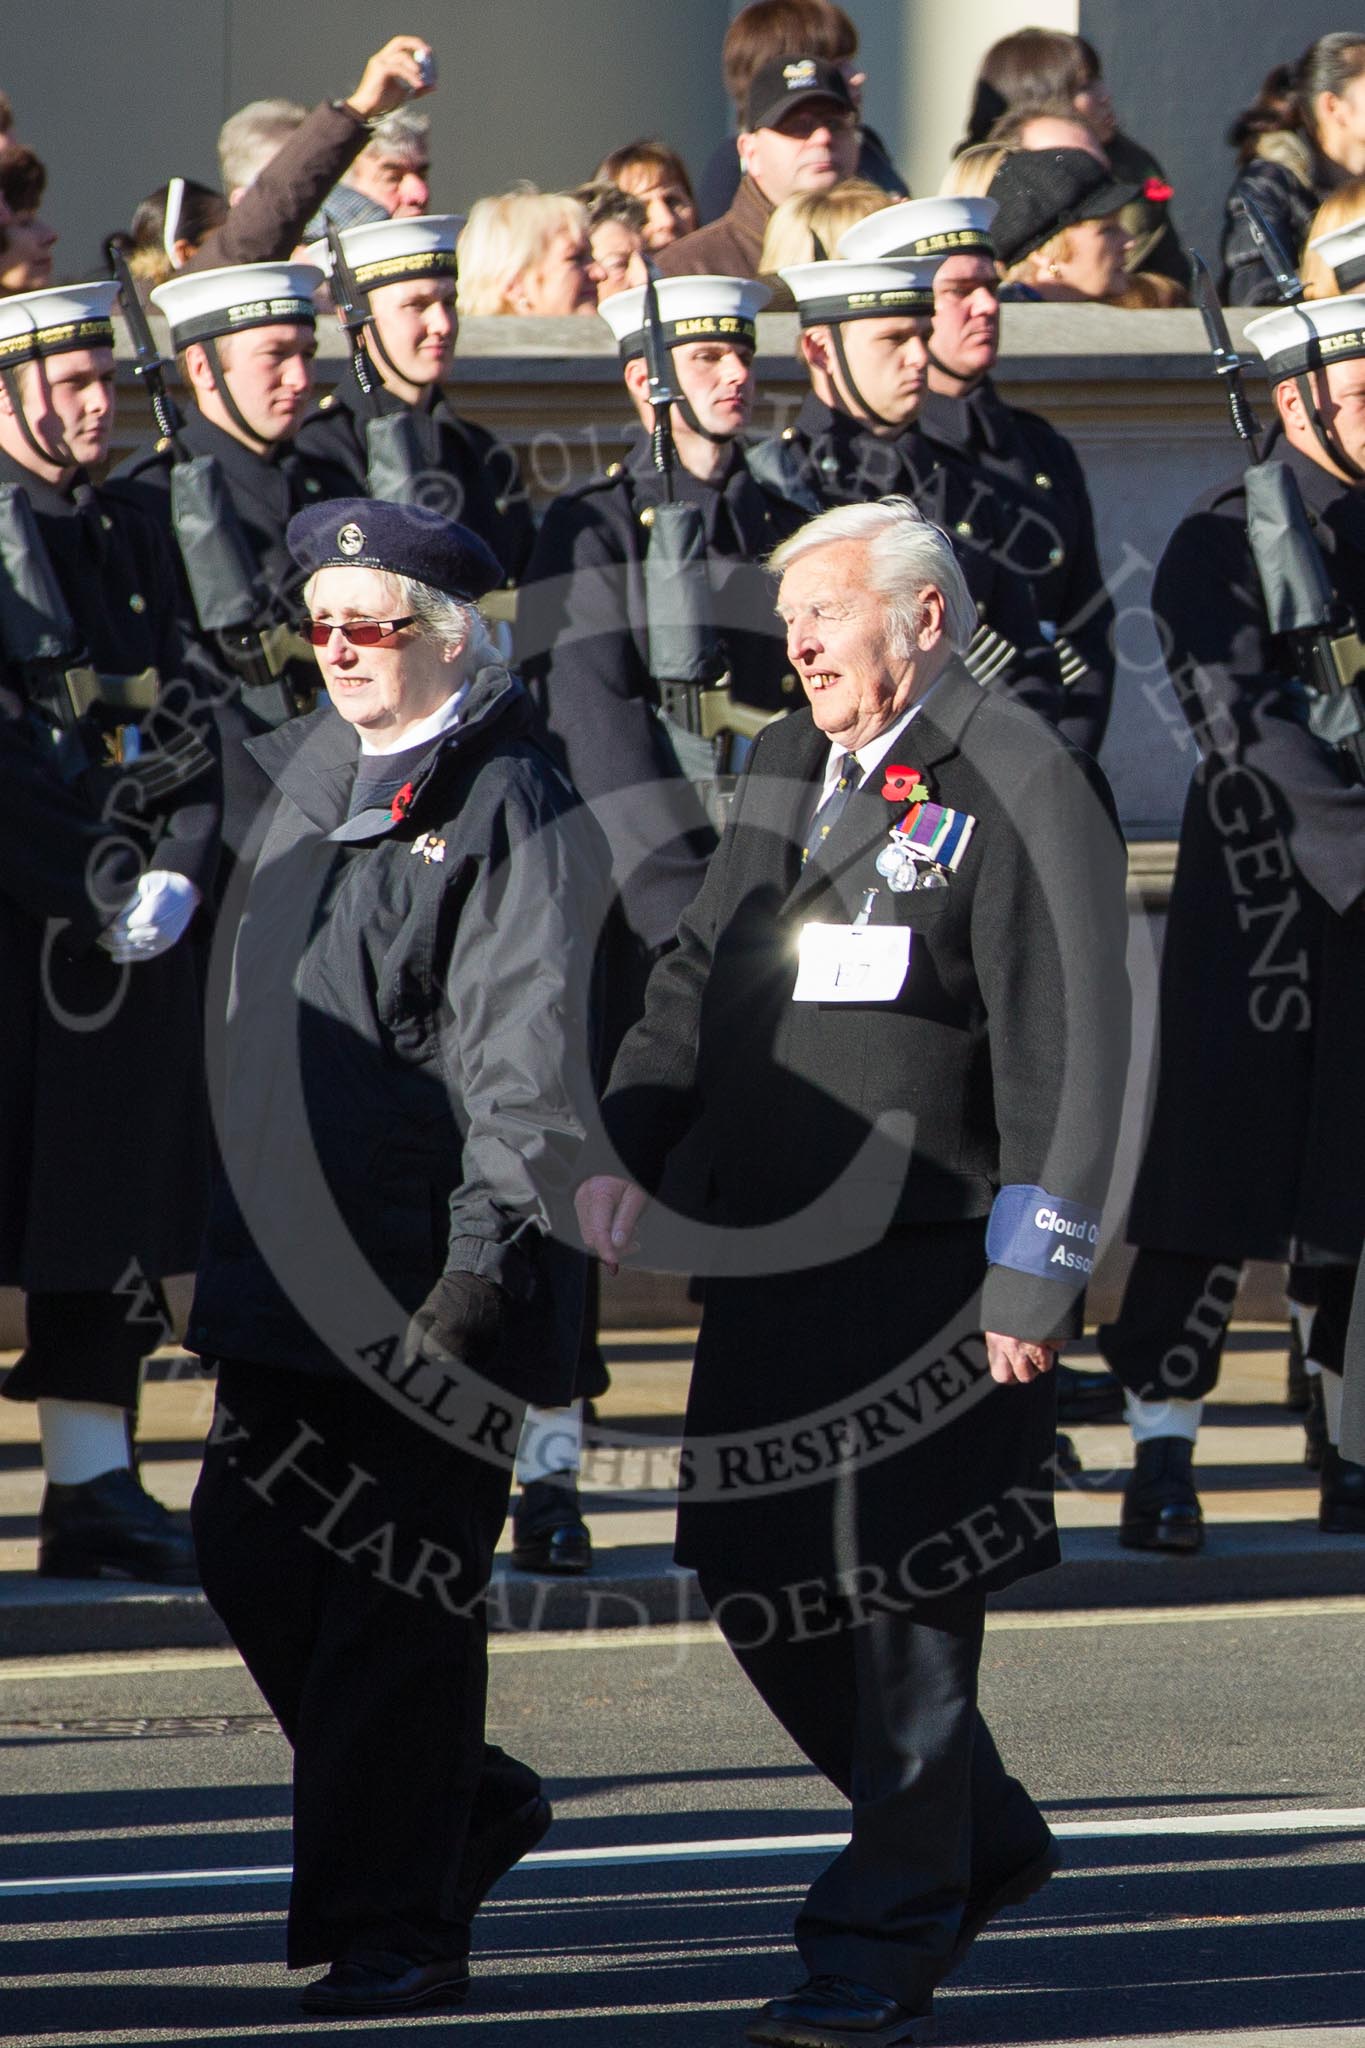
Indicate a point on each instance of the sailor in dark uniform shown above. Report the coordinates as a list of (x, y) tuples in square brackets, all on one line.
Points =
[(108, 843), (583, 644), (1033, 472), (406, 270), (1258, 1127), (864, 334), (245, 336)]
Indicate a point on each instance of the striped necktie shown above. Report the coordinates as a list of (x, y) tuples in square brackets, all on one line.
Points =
[(831, 810)]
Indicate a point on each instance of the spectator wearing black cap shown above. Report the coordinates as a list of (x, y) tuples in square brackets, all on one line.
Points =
[(1056, 230), (406, 1058), (800, 134), (769, 28)]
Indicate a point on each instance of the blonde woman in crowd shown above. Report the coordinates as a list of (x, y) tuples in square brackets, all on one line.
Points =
[(1331, 265), (969, 174), (798, 222), (527, 252)]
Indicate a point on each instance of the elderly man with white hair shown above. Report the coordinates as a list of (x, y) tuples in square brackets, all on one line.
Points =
[(894, 1032)]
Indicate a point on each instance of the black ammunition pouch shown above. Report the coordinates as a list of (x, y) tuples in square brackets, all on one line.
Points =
[(278, 675), (711, 734)]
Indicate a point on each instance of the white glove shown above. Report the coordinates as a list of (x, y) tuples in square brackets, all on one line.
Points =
[(153, 919)]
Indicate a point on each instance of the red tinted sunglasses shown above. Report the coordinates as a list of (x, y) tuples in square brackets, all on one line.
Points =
[(360, 632)]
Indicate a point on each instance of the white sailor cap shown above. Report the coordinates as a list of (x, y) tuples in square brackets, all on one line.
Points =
[(1343, 251), (827, 294), (50, 323), (392, 251), (690, 309), (948, 226), (201, 305), (1293, 339)]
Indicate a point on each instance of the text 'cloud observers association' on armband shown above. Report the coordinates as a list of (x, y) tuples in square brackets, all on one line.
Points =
[(1035, 1232)]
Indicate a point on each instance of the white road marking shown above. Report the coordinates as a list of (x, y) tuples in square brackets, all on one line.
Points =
[(1297, 1820), (133, 1663)]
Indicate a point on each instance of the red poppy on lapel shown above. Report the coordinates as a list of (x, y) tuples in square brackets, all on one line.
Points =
[(903, 785), (402, 804), (1158, 191)]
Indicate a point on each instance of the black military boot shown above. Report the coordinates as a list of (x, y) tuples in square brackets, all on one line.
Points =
[(548, 1530), (108, 1528), (1160, 1506), (1341, 1506)]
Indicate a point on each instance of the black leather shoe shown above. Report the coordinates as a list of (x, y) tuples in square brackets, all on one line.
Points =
[(492, 1852), (548, 1530), (836, 2012), (998, 1889), (1066, 1457), (1161, 1509), (1087, 1396), (109, 1528), (1341, 1506), (377, 1982)]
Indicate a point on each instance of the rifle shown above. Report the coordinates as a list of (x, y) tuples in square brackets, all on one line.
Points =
[(1286, 278), (1301, 606), (686, 658), (394, 461)]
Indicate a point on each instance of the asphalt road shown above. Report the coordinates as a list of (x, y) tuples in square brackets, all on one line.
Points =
[(1148, 1738)]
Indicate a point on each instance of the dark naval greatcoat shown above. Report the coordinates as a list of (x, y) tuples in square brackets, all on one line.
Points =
[(1258, 1127), (583, 646), (1040, 493), (264, 491), (467, 475), (828, 458), (103, 1128), (840, 1411)]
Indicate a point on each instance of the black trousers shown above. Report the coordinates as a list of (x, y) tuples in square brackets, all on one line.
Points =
[(1167, 1340), (88, 1347), (884, 1704), (347, 1550)]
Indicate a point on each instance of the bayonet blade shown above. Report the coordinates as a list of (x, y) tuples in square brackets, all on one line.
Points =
[(353, 308), (1226, 362), (148, 367)]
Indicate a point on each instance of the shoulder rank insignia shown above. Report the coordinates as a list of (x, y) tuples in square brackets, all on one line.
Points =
[(429, 846)]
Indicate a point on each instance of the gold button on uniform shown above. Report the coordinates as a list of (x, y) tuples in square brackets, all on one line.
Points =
[(1043, 480), (613, 469), (647, 516), (964, 527), (137, 602), (789, 685)]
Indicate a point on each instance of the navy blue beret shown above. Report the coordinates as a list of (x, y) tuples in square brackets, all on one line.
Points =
[(407, 540)]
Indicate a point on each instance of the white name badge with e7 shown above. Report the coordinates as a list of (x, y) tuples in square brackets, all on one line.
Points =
[(849, 963)]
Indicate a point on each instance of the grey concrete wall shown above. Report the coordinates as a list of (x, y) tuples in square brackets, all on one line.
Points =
[(1179, 75), (118, 99)]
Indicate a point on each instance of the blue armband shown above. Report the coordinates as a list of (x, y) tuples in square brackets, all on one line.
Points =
[(1035, 1232)]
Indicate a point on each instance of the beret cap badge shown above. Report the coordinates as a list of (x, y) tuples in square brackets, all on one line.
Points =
[(350, 540)]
